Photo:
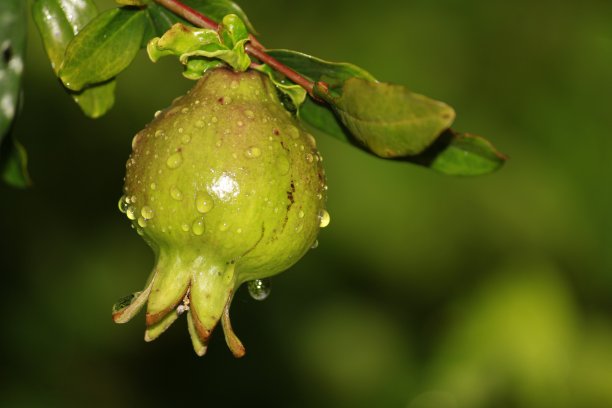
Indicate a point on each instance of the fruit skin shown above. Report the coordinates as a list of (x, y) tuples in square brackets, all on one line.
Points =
[(226, 187)]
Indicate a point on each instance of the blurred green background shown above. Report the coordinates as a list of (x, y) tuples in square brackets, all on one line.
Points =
[(425, 292)]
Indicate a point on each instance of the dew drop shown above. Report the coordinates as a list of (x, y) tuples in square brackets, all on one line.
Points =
[(153, 186), (123, 204), (294, 132), (301, 214), (253, 152), (185, 110), (234, 85), (315, 244), (175, 160), (186, 139), (135, 140), (226, 100), (159, 133), (157, 113), (259, 289), (324, 219), (283, 165), (133, 199), (147, 212), (311, 140), (299, 228), (198, 227), (204, 202), (199, 124), (309, 158), (224, 226), (181, 130), (240, 123), (249, 114), (185, 227), (131, 213), (214, 119), (139, 231), (176, 193), (142, 222)]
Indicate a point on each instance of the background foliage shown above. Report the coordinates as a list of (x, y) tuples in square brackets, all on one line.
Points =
[(425, 291)]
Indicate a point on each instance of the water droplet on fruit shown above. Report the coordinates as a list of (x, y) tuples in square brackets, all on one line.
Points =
[(204, 202), (198, 227), (185, 227), (159, 133), (249, 114), (299, 228), (157, 113), (301, 214), (309, 158), (224, 226), (176, 193), (324, 219), (186, 139), (294, 132), (214, 119), (147, 212), (283, 165), (123, 205), (259, 289), (234, 85), (153, 186), (175, 160), (142, 222), (131, 213), (253, 152), (135, 140), (315, 244), (199, 124)]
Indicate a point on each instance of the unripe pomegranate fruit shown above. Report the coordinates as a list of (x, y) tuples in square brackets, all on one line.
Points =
[(226, 187)]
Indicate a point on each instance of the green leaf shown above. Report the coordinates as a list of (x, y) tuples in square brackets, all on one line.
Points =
[(58, 21), (12, 45), (104, 48), (460, 154), (13, 164), (295, 93), (200, 49), (315, 69), (131, 2), (388, 119)]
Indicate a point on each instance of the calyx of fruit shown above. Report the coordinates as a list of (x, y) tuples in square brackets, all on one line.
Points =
[(226, 187)]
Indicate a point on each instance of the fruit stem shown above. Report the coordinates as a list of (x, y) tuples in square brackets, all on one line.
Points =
[(253, 48)]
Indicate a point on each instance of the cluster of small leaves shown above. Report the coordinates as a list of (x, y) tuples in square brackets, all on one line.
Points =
[(88, 49)]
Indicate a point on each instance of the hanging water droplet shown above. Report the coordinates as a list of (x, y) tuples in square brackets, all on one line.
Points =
[(131, 213), (123, 204), (259, 289), (253, 152), (146, 212), (204, 202), (142, 222), (157, 113), (324, 219), (198, 227), (315, 244), (175, 160), (176, 193)]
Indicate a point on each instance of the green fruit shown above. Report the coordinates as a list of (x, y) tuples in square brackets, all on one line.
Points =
[(226, 187)]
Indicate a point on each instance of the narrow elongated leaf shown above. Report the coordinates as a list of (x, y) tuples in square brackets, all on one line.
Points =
[(388, 119), (104, 48), (12, 44), (214, 9), (14, 164), (460, 154), (58, 21)]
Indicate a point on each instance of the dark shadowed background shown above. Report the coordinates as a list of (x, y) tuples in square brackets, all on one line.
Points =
[(425, 292)]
